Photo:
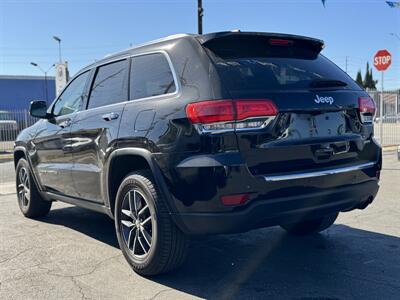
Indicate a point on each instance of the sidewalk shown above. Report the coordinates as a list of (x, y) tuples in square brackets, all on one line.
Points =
[(7, 188), (5, 156)]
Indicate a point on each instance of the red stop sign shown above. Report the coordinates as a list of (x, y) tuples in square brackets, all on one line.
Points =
[(382, 60)]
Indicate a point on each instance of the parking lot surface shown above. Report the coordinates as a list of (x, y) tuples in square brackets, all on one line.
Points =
[(73, 253)]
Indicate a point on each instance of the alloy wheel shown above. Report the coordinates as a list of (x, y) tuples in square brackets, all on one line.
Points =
[(137, 223), (23, 187)]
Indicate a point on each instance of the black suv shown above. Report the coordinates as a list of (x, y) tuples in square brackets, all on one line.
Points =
[(203, 134)]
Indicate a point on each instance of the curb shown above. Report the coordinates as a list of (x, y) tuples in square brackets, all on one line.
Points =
[(389, 148), (6, 157)]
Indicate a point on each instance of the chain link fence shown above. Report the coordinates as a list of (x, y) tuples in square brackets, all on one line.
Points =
[(387, 129), (11, 123)]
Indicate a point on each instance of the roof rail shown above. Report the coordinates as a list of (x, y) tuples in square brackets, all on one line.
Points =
[(164, 39)]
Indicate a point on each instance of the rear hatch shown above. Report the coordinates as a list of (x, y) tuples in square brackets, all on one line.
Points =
[(323, 118)]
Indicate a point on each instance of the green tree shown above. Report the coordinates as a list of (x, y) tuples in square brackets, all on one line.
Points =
[(369, 82), (359, 79), (373, 82), (367, 79)]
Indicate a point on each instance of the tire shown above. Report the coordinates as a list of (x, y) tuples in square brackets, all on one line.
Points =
[(152, 244), (30, 202), (310, 226)]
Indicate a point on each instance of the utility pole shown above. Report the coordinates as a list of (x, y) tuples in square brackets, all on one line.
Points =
[(45, 77), (200, 16)]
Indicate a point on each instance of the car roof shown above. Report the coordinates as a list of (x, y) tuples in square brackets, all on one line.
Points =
[(203, 39)]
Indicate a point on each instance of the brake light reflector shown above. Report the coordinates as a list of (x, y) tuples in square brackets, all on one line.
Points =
[(231, 200)]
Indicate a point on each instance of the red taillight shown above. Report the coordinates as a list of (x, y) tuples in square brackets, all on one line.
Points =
[(366, 105), (230, 200), (206, 112), (254, 108), (367, 109), (215, 111)]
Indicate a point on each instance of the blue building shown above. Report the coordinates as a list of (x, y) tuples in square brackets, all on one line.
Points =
[(16, 92)]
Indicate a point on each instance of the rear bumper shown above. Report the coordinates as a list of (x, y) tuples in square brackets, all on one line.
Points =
[(270, 212)]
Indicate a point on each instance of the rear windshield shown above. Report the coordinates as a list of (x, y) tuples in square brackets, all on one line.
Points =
[(248, 66)]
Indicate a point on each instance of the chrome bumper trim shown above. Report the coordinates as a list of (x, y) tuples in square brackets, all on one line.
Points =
[(318, 173)]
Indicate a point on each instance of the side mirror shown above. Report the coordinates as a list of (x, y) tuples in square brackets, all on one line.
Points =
[(38, 109)]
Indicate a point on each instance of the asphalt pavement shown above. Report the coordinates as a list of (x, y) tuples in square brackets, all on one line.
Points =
[(73, 253)]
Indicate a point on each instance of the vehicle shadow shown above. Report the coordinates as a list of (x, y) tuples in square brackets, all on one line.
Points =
[(341, 263)]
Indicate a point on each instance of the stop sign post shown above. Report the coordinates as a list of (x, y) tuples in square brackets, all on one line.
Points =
[(382, 61)]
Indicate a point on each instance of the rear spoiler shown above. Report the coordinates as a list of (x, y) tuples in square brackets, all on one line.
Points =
[(311, 43)]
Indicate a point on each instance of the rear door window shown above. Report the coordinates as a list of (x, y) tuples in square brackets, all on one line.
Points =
[(109, 85), (151, 76)]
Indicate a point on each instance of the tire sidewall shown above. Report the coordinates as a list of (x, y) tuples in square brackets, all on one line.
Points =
[(22, 163), (136, 181)]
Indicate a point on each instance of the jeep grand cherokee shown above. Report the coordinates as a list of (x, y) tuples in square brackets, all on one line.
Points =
[(203, 134)]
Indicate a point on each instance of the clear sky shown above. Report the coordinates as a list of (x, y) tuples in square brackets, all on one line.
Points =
[(90, 29)]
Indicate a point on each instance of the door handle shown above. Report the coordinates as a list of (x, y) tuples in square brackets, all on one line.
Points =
[(65, 123), (110, 116)]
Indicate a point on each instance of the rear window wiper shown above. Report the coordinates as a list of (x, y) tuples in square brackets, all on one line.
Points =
[(322, 83)]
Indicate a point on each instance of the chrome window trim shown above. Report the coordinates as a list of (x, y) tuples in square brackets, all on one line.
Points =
[(305, 175), (171, 67), (129, 56)]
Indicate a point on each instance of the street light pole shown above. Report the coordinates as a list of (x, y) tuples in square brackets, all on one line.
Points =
[(200, 11), (57, 39), (45, 77)]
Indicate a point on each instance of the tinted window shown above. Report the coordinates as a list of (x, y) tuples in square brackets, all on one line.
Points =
[(108, 85), (262, 73), (253, 64), (71, 99), (151, 76)]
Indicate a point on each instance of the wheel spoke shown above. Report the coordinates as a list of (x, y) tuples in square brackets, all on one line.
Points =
[(131, 203), (135, 241), (27, 193), (127, 213), (142, 210), (146, 235), (21, 176), (128, 224), (135, 201), (146, 221), (130, 237), (141, 245)]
